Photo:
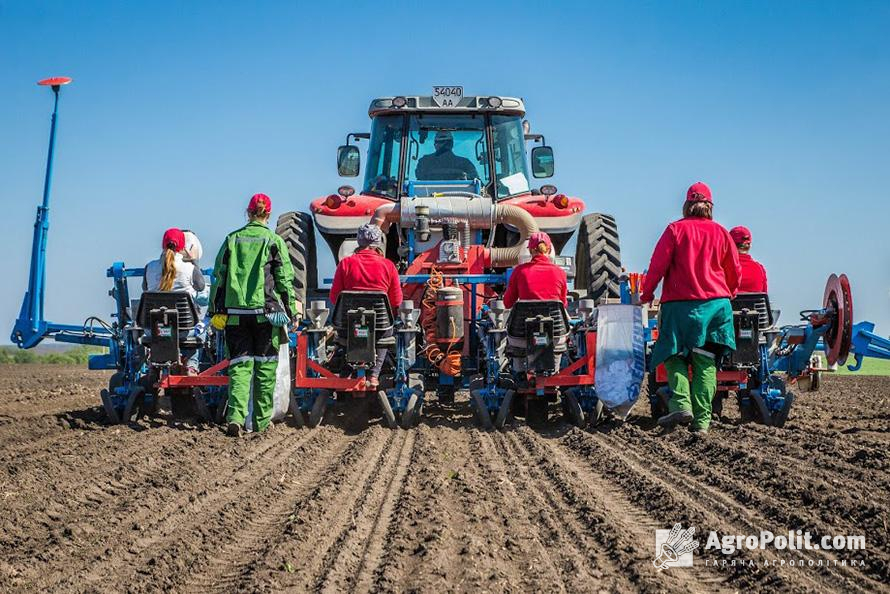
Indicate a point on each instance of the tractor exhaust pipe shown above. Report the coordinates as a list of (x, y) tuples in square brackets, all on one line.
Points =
[(478, 213)]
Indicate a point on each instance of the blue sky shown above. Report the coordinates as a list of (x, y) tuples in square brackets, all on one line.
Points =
[(181, 110)]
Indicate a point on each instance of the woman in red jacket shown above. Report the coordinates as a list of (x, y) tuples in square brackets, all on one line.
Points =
[(369, 270), (539, 278), (699, 264), (753, 273)]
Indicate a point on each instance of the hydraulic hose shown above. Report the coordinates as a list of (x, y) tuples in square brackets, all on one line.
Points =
[(524, 222)]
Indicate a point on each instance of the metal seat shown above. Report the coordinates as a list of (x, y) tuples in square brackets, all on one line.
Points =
[(528, 309), (376, 301), (186, 313), (758, 302)]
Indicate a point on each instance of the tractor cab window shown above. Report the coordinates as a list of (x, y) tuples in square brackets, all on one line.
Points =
[(449, 149), (382, 170), (509, 155)]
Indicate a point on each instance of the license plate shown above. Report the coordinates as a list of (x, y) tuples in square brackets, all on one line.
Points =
[(746, 333), (447, 96), (361, 332), (164, 332), (541, 341)]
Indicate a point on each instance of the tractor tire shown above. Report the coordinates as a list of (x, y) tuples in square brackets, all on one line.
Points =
[(598, 258), (108, 405), (389, 417), (505, 411), (572, 410), (318, 408), (298, 232)]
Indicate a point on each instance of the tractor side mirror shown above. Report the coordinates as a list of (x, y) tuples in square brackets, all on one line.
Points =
[(542, 161), (349, 160)]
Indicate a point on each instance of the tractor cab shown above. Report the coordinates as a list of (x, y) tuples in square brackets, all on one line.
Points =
[(418, 147)]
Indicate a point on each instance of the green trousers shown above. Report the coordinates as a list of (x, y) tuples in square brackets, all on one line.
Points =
[(252, 343), (704, 385)]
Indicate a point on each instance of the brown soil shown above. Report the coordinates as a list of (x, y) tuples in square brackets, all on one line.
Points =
[(444, 507)]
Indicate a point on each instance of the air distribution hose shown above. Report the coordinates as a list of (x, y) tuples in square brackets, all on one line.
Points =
[(448, 362)]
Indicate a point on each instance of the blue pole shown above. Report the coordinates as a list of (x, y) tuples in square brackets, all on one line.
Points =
[(37, 279), (30, 327)]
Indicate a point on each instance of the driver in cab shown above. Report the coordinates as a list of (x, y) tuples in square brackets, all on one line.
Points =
[(444, 164)]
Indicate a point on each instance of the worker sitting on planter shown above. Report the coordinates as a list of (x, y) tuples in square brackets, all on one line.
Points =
[(369, 270), (174, 271), (753, 273), (538, 279), (698, 261)]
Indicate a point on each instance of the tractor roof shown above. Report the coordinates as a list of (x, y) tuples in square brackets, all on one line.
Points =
[(466, 104)]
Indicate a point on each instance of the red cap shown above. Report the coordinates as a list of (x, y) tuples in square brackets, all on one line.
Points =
[(537, 238), (740, 235), (257, 200), (699, 192), (174, 239)]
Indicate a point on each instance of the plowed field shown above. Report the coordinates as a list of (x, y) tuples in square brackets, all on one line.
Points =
[(445, 507)]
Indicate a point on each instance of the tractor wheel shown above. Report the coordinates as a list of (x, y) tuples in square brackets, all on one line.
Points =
[(598, 258), (412, 412), (572, 409), (389, 417), (318, 408), (780, 417), (536, 412), (298, 233), (505, 411), (108, 405)]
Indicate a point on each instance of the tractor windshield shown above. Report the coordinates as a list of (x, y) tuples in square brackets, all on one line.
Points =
[(447, 148)]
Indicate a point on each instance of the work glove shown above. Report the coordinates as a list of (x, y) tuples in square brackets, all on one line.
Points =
[(219, 320), (278, 319)]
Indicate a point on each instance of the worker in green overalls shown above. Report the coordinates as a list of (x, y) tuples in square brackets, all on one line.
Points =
[(253, 299), (699, 263)]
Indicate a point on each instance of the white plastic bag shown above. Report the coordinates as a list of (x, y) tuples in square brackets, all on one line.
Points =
[(281, 399), (620, 356)]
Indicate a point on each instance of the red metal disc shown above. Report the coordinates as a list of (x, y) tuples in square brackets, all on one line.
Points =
[(834, 336), (55, 81), (847, 340)]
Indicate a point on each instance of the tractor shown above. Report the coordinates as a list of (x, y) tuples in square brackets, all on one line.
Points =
[(448, 181)]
